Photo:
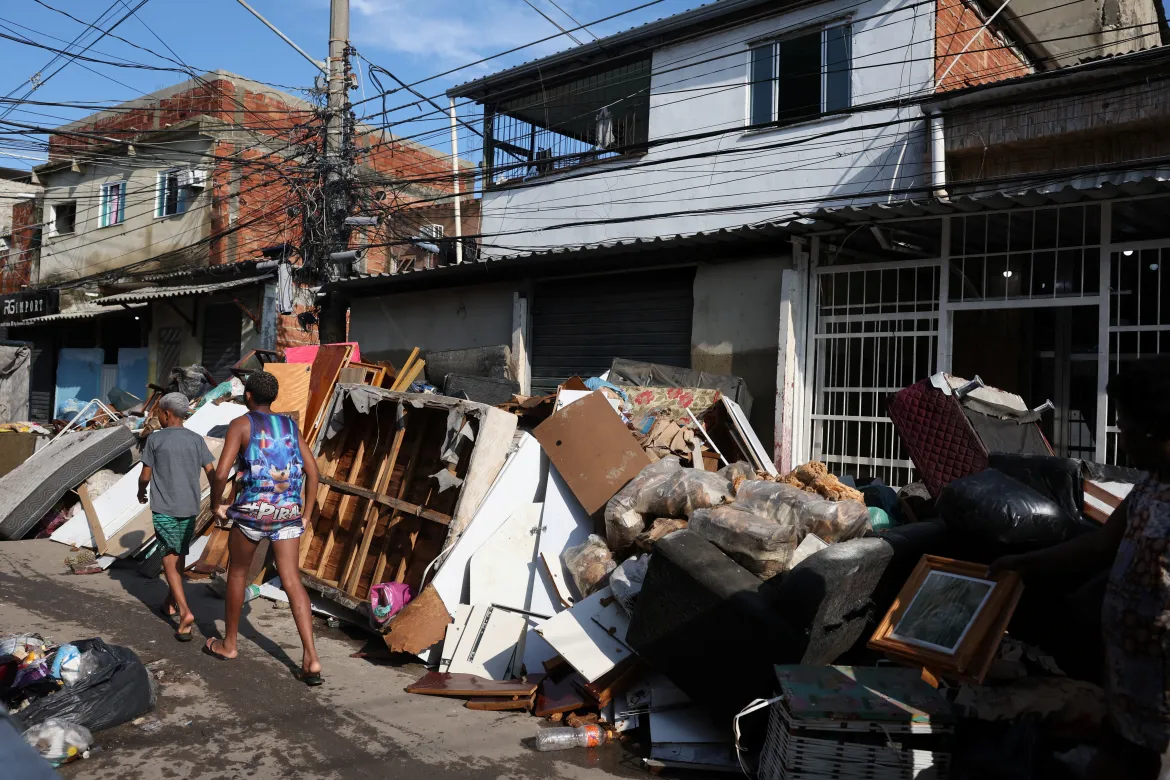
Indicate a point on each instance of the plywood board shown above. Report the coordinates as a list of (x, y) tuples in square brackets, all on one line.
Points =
[(487, 643), (591, 636), (327, 364), (468, 685), (564, 523), (515, 488), (293, 379), (592, 449), (504, 569)]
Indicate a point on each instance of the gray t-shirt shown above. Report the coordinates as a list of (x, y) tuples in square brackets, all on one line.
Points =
[(175, 456)]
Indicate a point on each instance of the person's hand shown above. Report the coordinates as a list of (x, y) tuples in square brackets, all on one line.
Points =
[(142, 495), (220, 513)]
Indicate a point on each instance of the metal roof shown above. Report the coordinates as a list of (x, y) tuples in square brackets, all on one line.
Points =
[(1098, 187), (83, 312), (177, 291)]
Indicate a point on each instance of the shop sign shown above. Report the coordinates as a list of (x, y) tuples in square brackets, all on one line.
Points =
[(28, 304)]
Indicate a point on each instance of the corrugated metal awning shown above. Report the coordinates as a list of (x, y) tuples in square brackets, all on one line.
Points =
[(83, 312), (177, 291)]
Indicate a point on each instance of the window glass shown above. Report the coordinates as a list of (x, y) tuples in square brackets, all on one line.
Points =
[(799, 76), (763, 86), (837, 45)]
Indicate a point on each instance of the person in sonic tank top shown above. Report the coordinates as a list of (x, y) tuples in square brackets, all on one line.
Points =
[(276, 489)]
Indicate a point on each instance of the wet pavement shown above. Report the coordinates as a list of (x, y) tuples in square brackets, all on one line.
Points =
[(250, 718)]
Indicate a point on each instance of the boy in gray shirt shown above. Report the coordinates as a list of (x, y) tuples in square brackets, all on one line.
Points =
[(171, 462)]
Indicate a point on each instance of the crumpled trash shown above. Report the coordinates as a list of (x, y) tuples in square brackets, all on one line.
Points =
[(191, 381), (59, 741), (590, 563), (737, 473), (18, 646), (626, 581), (833, 521), (66, 664)]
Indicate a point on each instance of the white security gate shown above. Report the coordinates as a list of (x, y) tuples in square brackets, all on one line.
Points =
[(1138, 318), (876, 331)]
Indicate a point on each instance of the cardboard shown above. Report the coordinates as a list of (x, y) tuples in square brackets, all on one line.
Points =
[(592, 449)]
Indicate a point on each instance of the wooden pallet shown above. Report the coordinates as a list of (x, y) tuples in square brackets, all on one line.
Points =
[(380, 516)]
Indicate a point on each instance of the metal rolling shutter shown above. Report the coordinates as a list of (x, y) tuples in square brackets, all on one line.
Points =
[(221, 339), (580, 325), (42, 382)]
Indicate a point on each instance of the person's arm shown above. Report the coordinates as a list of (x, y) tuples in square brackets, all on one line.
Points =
[(1087, 552), (227, 458), (143, 482), (312, 478)]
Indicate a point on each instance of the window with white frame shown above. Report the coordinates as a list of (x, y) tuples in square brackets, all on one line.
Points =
[(113, 203), (800, 76), (171, 197)]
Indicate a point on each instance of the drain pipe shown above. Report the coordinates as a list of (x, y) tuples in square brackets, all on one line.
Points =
[(938, 155), (455, 184)]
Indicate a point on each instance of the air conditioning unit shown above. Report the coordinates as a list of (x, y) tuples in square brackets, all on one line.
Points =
[(192, 177), (432, 232)]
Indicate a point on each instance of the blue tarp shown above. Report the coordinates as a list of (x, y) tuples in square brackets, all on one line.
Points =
[(79, 376), (132, 369)]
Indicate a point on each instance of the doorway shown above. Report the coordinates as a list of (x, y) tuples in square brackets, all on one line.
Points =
[(1041, 354)]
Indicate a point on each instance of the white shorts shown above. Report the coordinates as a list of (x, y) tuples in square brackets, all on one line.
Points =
[(277, 535)]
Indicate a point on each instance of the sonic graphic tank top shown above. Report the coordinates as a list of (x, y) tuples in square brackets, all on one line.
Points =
[(270, 475)]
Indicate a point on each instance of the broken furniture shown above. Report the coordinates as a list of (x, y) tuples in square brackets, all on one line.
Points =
[(632, 372), (30, 490), (401, 476), (844, 722), (949, 427)]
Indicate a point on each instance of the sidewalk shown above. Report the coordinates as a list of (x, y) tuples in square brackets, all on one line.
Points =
[(250, 718)]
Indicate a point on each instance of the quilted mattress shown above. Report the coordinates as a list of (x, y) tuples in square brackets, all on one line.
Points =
[(30, 490), (942, 443)]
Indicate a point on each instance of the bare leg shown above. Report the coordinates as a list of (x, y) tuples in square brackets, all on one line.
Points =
[(287, 554), (173, 570), (240, 552)]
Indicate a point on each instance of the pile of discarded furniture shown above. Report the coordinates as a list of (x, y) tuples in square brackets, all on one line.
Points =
[(623, 555)]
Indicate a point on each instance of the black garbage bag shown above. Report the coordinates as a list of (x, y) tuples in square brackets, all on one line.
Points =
[(118, 690), (992, 509), (191, 381)]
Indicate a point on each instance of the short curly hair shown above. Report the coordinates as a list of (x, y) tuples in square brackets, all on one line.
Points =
[(263, 386)]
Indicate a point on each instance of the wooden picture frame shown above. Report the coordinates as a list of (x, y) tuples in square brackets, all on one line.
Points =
[(963, 646)]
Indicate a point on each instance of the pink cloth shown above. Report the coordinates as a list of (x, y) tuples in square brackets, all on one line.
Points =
[(309, 354)]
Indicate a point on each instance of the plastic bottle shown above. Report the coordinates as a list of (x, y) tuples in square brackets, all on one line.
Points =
[(564, 738)]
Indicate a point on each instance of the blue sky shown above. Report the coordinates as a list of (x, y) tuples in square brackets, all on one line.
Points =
[(414, 39)]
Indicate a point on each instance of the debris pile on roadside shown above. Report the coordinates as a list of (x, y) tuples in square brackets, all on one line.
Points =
[(623, 556)]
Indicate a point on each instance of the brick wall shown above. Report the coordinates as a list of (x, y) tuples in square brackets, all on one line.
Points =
[(16, 270), (989, 57)]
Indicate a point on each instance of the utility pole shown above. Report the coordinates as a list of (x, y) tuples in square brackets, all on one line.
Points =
[(338, 173)]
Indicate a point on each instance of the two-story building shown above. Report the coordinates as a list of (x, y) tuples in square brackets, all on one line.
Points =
[(162, 224), (711, 190)]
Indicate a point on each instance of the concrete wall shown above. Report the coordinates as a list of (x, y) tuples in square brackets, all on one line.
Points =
[(736, 328), (91, 249), (692, 93), (389, 326)]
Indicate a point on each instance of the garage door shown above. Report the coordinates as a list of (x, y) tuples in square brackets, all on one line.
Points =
[(580, 325)]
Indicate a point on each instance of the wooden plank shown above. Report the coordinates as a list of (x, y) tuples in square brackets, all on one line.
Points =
[(468, 685), (363, 517), (407, 478), (406, 378), (401, 373), (346, 498), (499, 703), (293, 396), (327, 365), (371, 515), (91, 517), (332, 459)]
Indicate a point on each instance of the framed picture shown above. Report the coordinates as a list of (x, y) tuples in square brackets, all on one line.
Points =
[(949, 618)]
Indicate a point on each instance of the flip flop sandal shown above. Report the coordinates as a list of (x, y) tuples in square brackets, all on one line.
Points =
[(311, 679), (166, 613), (218, 656), (185, 636)]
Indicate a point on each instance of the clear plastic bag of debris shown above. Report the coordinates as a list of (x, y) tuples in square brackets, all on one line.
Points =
[(590, 563), (59, 741), (626, 581), (833, 521), (762, 546), (738, 473), (663, 489)]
